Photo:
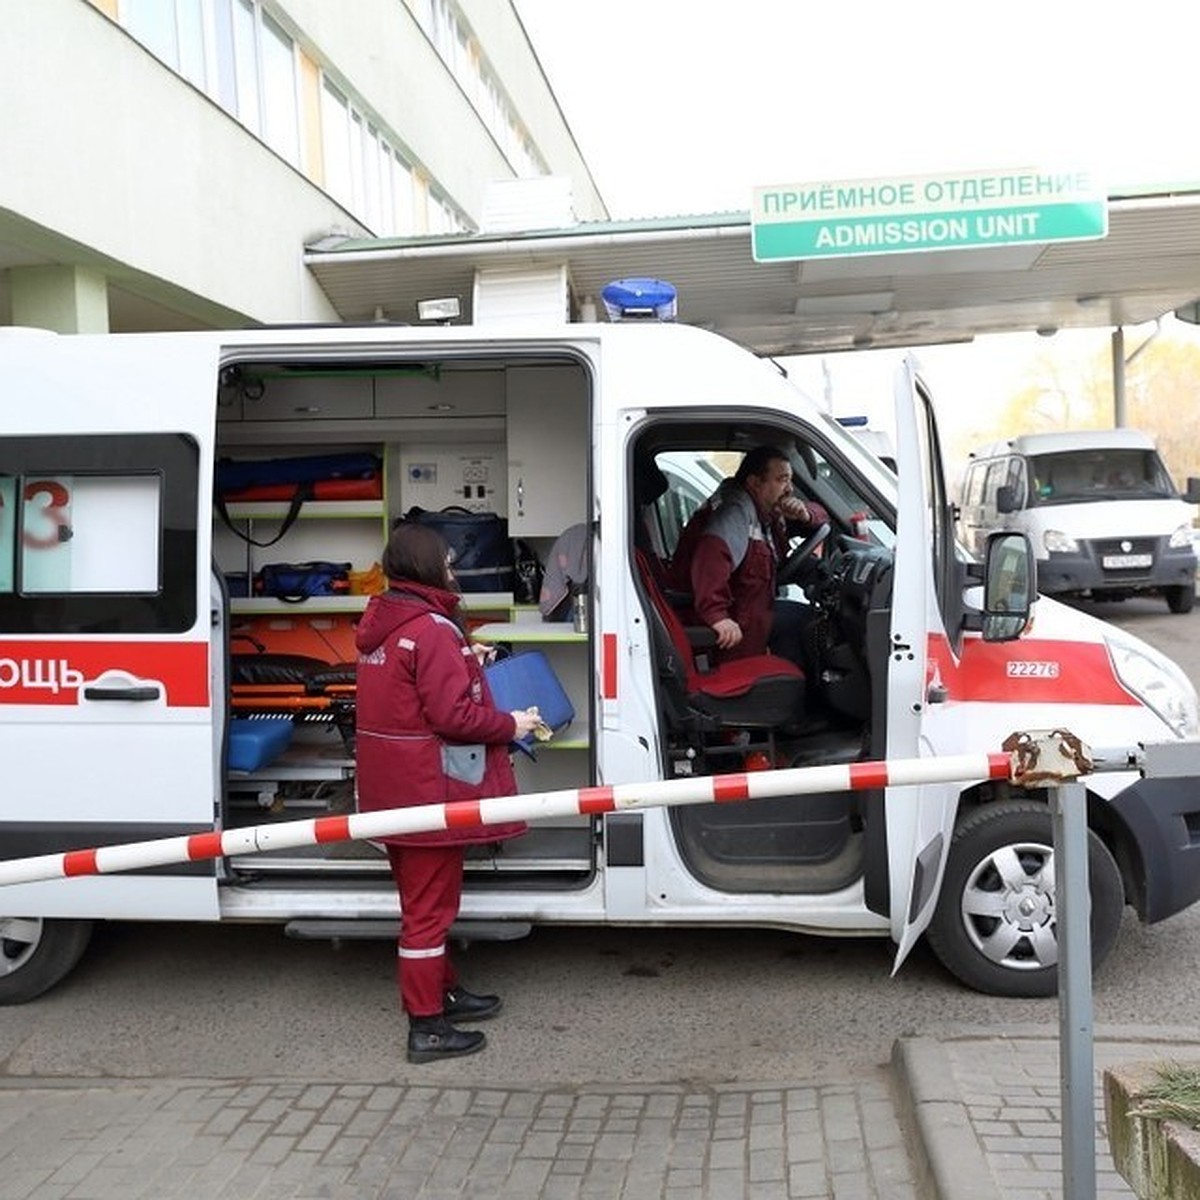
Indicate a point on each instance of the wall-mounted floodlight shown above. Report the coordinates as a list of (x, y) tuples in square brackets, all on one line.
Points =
[(444, 309), (639, 299)]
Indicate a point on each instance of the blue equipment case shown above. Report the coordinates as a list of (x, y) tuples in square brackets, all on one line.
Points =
[(523, 680)]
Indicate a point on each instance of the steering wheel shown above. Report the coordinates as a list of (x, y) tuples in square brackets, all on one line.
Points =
[(792, 568)]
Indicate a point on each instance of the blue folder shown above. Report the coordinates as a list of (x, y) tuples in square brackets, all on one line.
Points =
[(526, 679)]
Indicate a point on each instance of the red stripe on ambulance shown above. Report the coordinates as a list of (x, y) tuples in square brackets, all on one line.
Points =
[(608, 666), (1029, 671), (52, 672)]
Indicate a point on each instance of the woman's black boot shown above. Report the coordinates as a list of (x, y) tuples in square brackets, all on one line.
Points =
[(461, 1005), (433, 1038)]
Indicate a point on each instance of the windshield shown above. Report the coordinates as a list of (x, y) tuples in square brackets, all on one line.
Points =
[(1098, 474)]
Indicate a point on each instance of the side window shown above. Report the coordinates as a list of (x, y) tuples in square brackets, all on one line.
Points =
[(98, 534), (1016, 480), (691, 478), (996, 474), (973, 486), (8, 533), (90, 534), (941, 532)]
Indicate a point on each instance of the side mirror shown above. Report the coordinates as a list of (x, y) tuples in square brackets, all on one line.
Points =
[(1007, 500), (1192, 495), (1009, 586)]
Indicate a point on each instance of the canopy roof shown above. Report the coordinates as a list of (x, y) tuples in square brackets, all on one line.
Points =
[(1147, 266)]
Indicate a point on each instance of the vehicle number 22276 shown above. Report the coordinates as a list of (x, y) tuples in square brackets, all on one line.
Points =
[(1032, 670)]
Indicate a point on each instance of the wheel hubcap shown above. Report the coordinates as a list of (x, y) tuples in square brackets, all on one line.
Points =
[(19, 938), (1008, 906)]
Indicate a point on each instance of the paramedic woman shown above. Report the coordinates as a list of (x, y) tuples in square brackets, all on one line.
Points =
[(427, 732)]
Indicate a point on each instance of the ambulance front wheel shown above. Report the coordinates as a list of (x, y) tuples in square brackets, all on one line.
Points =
[(35, 954), (994, 926)]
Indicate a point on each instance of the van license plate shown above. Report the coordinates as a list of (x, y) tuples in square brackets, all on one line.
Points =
[(1123, 562)]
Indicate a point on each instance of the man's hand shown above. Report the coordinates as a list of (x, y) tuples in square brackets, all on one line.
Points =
[(728, 632), (794, 509)]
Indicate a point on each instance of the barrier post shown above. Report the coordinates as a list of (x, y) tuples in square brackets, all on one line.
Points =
[(1072, 904)]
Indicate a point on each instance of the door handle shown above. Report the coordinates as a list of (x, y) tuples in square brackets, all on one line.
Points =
[(146, 692)]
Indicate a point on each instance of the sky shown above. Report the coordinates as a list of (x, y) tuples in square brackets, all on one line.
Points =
[(684, 106)]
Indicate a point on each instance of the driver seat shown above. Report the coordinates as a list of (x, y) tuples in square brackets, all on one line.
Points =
[(763, 691)]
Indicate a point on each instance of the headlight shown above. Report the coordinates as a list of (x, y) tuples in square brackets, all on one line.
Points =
[(1181, 537), (1157, 682), (1057, 542)]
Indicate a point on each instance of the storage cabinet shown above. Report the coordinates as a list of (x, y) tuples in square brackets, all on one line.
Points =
[(450, 395), (308, 398), (547, 450)]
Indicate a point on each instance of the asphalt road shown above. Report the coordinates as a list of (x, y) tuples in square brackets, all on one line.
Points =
[(582, 1005)]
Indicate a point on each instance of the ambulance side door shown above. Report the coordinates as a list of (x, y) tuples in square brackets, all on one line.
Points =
[(106, 707), (926, 605)]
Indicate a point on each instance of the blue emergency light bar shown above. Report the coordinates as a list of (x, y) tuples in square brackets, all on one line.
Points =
[(639, 300)]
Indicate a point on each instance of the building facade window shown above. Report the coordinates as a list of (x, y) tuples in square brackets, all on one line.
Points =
[(464, 58), (280, 95), (244, 59)]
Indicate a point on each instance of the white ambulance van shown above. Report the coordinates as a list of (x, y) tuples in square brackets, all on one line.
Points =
[(134, 650), (1099, 506)]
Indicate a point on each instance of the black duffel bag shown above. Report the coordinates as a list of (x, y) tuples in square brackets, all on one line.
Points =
[(482, 555)]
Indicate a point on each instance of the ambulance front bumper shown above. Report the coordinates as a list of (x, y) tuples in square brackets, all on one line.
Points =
[(1163, 817)]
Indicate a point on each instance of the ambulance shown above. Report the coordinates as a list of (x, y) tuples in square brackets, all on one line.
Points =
[(143, 661)]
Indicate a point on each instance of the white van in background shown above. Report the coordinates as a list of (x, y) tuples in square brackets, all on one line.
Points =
[(1099, 506)]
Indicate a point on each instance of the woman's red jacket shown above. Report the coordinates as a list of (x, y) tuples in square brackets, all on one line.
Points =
[(426, 728)]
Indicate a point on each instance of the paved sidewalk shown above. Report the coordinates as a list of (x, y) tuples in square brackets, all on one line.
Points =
[(969, 1115), (984, 1106), (110, 1139)]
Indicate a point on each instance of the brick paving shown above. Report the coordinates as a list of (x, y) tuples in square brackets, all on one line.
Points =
[(991, 1106), (103, 1139), (966, 1116)]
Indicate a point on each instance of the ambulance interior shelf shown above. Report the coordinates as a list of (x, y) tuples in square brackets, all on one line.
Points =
[(559, 642), (292, 696), (311, 543)]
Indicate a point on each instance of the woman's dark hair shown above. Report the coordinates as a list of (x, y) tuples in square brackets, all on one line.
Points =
[(757, 461), (418, 554)]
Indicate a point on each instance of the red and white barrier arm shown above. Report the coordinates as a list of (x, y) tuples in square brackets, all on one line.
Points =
[(530, 806)]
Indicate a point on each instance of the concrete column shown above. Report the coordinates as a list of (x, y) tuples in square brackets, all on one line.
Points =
[(64, 299)]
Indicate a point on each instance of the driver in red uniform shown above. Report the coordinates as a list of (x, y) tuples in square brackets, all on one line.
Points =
[(728, 554)]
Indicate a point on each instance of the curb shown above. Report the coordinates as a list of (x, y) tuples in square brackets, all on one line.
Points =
[(947, 1152)]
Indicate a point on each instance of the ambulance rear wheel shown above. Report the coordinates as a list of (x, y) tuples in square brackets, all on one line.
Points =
[(35, 954), (995, 925)]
